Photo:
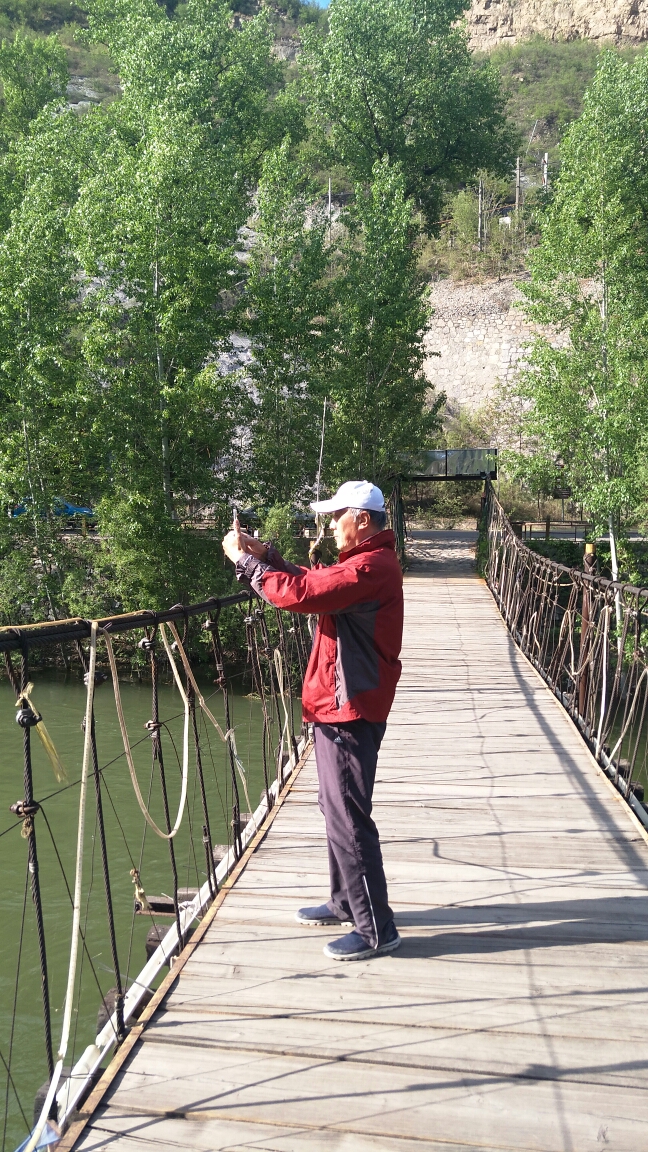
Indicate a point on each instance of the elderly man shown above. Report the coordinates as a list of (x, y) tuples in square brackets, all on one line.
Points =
[(347, 694)]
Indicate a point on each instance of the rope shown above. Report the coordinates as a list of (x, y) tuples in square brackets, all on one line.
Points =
[(226, 737), (606, 630), (630, 716), (76, 914), (127, 748), (86, 952), (206, 828), (119, 1004), (257, 679), (285, 733), (217, 647), (283, 648), (29, 828), (268, 653), (44, 736), (156, 746)]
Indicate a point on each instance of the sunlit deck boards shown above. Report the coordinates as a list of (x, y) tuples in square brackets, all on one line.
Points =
[(515, 1014)]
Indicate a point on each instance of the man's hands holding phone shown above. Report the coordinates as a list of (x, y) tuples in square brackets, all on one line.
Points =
[(238, 543)]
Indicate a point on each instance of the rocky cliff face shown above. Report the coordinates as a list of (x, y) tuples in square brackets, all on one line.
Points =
[(495, 22)]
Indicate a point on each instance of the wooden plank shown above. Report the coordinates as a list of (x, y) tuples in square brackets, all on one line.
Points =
[(128, 1132), (563, 1008), (516, 1055), (513, 1015), (348, 1097)]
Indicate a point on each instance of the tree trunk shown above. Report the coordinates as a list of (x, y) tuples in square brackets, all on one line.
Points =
[(164, 433), (39, 552), (164, 424)]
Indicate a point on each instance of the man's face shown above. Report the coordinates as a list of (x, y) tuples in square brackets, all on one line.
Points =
[(348, 531)]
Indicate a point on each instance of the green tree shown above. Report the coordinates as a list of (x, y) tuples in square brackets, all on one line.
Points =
[(288, 301), (119, 274), (278, 526), (155, 228), (588, 391), (379, 393), (33, 73), (46, 451), (394, 79)]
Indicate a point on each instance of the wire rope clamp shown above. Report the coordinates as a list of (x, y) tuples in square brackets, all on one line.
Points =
[(26, 717), (24, 810), (26, 813)]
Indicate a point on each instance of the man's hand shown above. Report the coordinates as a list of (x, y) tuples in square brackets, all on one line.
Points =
[(238, 543), (253, 546), (233, 544)]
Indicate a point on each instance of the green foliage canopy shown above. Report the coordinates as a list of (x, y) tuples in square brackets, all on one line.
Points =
[(33, 73), (394, 80), (377, 383), (288, 298), (588, 391)]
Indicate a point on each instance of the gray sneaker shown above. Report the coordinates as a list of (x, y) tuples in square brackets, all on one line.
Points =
[(354, 947), (322, 915)]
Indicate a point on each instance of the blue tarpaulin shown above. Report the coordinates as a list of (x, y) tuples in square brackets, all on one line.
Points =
[(48, 1139)]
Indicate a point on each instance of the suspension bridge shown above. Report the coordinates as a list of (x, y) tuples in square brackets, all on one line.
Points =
[(510, 805)]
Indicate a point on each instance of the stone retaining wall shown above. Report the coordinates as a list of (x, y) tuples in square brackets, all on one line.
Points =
[(480, 336)]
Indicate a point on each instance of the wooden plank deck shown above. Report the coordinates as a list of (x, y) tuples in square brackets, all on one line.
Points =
[(513, 1016)]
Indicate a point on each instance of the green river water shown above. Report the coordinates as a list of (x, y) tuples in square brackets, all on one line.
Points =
[(61, 700)]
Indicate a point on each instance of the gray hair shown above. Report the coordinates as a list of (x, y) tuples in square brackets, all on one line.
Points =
[(378, 520)]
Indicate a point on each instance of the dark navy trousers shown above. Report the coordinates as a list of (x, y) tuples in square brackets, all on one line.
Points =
[(346, 756)]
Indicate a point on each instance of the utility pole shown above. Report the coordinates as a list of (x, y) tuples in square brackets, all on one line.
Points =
[(480, 217), (517, 186), (545, 171)]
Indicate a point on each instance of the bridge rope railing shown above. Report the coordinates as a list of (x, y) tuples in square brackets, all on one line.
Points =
[(587, 637), (191, 788)]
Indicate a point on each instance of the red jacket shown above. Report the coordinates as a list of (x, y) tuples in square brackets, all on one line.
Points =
[(354, 667)]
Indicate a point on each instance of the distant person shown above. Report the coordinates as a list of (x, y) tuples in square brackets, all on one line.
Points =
[(347, 694)]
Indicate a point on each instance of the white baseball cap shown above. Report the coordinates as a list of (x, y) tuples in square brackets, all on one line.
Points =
[(353, 494)]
